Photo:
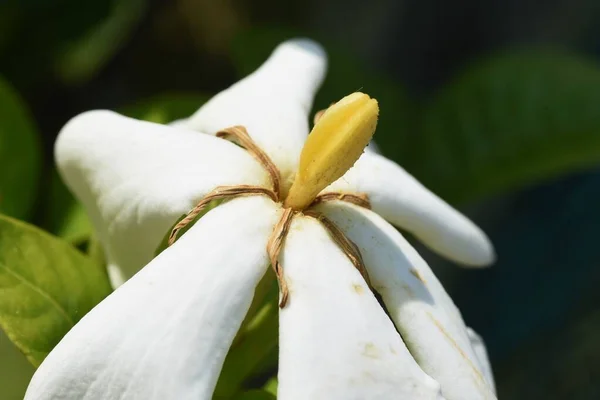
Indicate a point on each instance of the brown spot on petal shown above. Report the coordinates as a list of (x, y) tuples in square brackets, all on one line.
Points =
[(369, 376), (409, 292), (358, 288), (392, 350), (370, 350), (417, 275), (480, 381)]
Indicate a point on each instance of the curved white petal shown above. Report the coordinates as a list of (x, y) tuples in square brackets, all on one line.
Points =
[(402, 200), (426, 317), (481, 353), (136, 178), (336, 342), (272, 103), (165, 333)]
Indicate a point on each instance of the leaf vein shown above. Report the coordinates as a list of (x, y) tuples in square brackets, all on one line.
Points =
[(41, 292)]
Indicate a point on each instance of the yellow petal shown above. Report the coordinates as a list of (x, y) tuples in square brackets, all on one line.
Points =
[(335, 143)]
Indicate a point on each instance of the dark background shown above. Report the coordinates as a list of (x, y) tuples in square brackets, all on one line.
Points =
[(538, 307)]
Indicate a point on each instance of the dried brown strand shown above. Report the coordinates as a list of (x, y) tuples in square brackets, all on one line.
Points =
[(221, 192), (274, 246), (346, 245), (359, 199), (240, 134)]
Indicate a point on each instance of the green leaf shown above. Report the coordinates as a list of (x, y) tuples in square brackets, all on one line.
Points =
[(513, 120), (46, 286), (95, 252), (82, 58), (166, 108), (15, 370), (255, 395), (20, 155), (256, 343), (346, 74), (64, 216), (271, 385), (557, 364), (10, 17), (53, 31)]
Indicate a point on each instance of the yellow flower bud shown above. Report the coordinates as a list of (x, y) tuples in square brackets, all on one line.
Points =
[(335, 143)]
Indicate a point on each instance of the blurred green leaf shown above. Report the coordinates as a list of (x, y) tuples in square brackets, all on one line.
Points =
[(10, 17), (166, 108), (49, 29), (271, 385), (64, 216), (508, 122), (570, 357), (255, 395), (259, 339), (67, 19), (95, 251), (83, 57), (46, 287), (20, 155), (268, 365), (15, 370), (346, 74), (265, 293)]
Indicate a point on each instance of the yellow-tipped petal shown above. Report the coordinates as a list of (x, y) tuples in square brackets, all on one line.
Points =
[(335, 143)]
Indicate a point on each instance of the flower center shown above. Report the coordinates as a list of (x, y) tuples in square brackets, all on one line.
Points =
[(337, 140)]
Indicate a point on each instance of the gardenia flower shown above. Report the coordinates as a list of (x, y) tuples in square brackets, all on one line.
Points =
[(165, 332)]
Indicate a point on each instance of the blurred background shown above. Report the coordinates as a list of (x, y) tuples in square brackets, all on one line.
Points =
[(493, 104)]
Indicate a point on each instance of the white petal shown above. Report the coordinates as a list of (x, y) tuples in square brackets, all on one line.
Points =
[(481, 353), (426, 317), (272, 103), (336, 342), (402, 200), (165, 333), (136, 178)]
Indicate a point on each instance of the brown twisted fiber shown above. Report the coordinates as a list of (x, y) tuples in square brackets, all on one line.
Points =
[(359, 199), (274, 246), (282, 227), (240, 134), (220, 192), (347, 246)]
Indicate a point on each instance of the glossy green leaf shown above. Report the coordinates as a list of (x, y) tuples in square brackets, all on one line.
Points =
[(346, 74), (20, 155), (166, 108), (511, 121), (46, 286)]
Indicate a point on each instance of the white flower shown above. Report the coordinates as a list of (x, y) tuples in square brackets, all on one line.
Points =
[(165, 332)]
